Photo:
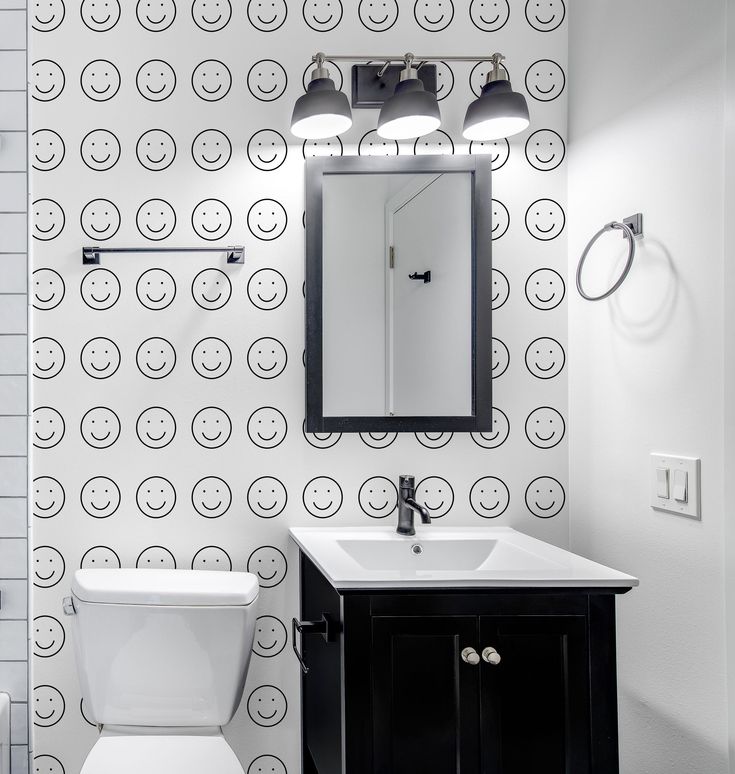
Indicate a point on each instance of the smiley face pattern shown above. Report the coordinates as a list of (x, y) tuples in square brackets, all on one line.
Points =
[(168, 422)]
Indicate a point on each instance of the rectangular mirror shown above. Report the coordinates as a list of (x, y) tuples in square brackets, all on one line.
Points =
[(398, 278)]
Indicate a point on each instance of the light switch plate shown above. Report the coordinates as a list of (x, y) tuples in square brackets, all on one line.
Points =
[(691, 508)]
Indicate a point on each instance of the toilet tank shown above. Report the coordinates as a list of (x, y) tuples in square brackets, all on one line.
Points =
[(163, 647)]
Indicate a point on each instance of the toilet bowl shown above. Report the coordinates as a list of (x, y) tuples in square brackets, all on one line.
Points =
[(162, 657)]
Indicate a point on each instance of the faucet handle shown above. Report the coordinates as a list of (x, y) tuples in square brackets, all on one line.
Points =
[(407, 481)]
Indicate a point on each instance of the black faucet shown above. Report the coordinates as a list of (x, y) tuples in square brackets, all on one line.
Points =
[(407, 505)]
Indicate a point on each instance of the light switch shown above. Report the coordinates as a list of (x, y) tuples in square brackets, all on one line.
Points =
[(675, 484), (681, 485)]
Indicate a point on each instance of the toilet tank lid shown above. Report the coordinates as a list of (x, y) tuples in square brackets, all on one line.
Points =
[(201, 588)]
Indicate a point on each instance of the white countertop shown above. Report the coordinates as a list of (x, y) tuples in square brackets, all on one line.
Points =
[(441, 557)]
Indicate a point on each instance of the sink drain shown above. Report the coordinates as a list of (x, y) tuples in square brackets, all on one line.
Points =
[(417, 549)]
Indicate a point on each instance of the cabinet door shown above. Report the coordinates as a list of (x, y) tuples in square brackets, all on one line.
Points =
[(535, 702), (425, 702)]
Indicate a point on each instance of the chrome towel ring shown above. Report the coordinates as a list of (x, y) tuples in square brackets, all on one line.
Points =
[(631, 227)]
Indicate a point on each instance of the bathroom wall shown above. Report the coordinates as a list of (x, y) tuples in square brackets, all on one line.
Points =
[(13, 376), (646, 134), (116, 442)]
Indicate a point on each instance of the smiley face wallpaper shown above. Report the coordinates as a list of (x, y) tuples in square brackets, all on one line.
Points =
[(167, 421)]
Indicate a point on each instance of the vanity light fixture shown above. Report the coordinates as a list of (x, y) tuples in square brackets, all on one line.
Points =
[(411, 111), (323, 111), (499, 111)]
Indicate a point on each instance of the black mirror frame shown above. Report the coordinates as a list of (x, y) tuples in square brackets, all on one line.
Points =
[(481, 418)]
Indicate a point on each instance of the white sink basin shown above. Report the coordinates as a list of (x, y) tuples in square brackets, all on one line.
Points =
[(437, 557), (441, 554)]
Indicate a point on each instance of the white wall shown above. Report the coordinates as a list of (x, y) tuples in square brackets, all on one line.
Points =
[(353, 302), (729, 290), (646, 372)]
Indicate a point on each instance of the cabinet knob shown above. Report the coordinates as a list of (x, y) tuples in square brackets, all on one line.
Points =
[(470, 656), (491, 656)]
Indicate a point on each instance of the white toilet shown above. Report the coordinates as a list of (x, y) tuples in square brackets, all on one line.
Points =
[(162, 657)]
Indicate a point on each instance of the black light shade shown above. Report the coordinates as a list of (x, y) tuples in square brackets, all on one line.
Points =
[(410, 112), (321, 112), (497, 113)]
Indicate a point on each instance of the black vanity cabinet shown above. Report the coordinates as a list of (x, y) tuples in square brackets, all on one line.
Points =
[(389, 690)]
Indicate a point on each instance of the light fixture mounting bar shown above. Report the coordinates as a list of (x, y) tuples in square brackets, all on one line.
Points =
[(401, 58)]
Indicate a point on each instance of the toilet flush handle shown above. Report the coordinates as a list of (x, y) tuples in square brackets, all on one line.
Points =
[(326, 626), (68, 606)]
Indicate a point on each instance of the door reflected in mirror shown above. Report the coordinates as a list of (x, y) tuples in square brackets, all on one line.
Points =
[(397, 295), (397, 252)]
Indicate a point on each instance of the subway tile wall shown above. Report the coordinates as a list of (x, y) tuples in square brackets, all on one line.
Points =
[(13, 376)]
